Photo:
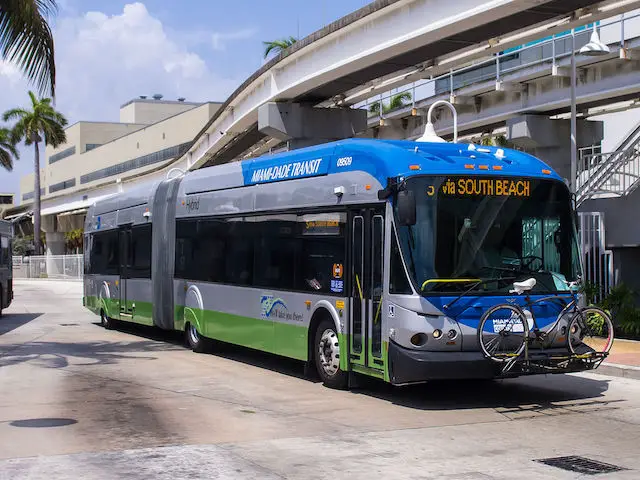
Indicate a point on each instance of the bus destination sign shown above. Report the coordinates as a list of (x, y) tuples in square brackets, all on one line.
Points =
[(488, 187)]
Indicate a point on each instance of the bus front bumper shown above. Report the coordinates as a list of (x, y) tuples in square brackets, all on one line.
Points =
[(411, 366)]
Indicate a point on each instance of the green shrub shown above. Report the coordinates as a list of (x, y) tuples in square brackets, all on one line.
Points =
[(595, 323), (629, 322), (621, 305), (621, 298), (590, 291)]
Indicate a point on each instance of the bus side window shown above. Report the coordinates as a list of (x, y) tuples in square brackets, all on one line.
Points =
[(141, 251), (239, 252), (321, 265), (4, 255), (276, 249)]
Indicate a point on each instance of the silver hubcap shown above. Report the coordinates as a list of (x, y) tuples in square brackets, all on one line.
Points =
[(329, 350), (193, 334)]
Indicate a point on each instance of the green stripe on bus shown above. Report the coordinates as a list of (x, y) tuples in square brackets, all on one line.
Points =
[(278, 338)]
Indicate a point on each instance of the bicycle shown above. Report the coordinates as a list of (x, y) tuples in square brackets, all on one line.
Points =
[(503, 339)]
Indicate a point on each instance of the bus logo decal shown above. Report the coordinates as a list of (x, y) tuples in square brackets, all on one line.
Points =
[(193, 204), (337, 270), (268, 303), (287, 171)]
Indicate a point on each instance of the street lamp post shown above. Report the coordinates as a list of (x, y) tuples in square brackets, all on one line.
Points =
[(573, 182), (594, 48)]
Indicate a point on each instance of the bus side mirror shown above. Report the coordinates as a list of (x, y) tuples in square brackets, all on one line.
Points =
[(406, 207)]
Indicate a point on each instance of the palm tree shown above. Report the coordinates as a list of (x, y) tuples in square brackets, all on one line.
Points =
[(42, 122), (397, 101), (277, 46), (8, 150), (26, 39), (488, 139)]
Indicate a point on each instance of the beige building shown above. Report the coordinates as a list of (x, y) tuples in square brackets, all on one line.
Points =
[(98, 155)]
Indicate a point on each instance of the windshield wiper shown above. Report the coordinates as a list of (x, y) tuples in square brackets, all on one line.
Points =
[(474, 286)]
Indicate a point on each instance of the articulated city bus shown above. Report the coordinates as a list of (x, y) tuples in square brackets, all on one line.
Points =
[(358, 256), (6, 264)]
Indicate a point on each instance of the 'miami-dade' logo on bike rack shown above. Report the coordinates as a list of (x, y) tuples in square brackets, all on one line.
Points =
[(512, 323), (268, 304)]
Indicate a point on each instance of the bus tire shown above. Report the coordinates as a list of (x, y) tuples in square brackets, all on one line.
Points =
[(194, 340), (327, 355), (106, 322)]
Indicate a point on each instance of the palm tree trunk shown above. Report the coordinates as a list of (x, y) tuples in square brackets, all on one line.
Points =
[(36, 200)]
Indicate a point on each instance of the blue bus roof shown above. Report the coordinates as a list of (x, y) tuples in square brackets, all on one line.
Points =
[(394, 158)]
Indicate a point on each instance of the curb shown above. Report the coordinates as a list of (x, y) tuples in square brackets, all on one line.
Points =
[(616, 370)]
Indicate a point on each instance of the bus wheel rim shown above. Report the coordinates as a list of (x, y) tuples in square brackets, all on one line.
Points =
[(329, 352), (193, 333)]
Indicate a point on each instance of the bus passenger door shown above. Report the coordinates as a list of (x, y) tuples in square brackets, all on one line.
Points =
[(367, 251), (124, 251)]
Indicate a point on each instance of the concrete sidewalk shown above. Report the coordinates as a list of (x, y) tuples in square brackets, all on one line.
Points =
[(623, 360)]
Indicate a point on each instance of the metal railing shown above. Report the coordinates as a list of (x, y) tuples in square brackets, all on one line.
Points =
[(67, 267), (547, 50), (610, 174), (597, 261)]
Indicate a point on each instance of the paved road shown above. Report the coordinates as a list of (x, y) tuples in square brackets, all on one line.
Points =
[(77, 401)]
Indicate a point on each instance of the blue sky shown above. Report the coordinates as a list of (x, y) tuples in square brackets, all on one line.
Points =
[(110, 52)]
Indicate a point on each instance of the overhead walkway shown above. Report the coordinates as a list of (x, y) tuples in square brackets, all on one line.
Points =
[(378, 46), (534, 79)]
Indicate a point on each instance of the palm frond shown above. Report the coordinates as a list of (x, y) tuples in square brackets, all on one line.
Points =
[(397, 101), (277, 46), (42, 122), (6, 160), (14, 113), (26, 40), (8, 151)]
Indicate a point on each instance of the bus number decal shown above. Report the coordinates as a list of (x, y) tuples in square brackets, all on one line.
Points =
[(344, 161)]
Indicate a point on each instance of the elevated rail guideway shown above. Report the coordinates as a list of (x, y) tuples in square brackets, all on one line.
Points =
[(388, 43), (381, 45)]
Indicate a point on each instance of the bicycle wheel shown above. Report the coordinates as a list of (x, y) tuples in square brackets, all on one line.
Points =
[(502, 333), (590, 331)]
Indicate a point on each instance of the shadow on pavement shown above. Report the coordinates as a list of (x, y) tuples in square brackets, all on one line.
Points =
[(11, 321), (59, 354), (248, 356), (525, 394)]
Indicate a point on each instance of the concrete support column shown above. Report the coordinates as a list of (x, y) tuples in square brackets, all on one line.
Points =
[(55, 246), (550, 140), (303, 125)]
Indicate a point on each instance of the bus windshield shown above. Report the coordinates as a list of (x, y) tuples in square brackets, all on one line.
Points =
[(498, 230)]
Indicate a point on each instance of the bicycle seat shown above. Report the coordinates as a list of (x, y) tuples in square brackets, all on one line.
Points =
[(524, 286)]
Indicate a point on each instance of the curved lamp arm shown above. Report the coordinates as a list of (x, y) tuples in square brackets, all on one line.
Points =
[(453, 111)]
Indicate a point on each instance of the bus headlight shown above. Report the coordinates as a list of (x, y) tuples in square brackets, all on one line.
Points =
[(437, 333)]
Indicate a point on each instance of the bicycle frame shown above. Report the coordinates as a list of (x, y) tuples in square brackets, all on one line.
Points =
[(567, 306)]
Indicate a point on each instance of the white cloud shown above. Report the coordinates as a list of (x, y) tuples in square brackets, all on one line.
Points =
[(219, 40), (104, 60)]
